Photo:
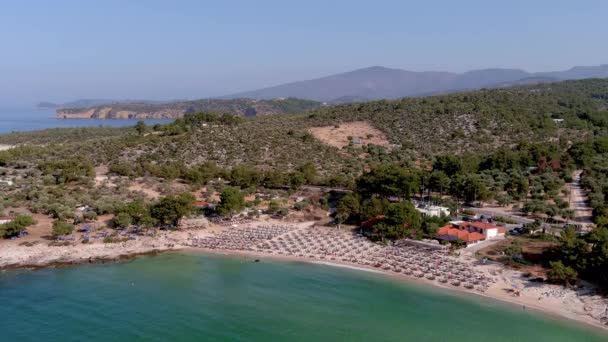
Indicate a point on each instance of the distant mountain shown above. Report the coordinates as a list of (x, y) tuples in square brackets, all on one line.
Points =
[(174, 110), (378, 82), (578, 73), (83, 103), (526, 81), (348, 99)]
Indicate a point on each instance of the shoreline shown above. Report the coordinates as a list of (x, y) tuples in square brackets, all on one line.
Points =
[(60, 263), (513, 304), (567, 304)]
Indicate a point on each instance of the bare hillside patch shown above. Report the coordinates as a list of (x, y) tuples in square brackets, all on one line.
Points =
[(358, 132)]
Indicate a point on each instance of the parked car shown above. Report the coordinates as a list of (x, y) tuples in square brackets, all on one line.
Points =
[(517, 231)]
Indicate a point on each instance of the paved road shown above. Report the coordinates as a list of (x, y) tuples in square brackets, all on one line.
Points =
[(490, 212), (323, 188)]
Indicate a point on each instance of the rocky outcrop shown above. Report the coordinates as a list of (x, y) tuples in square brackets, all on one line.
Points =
[(109, 112), (174, 110)]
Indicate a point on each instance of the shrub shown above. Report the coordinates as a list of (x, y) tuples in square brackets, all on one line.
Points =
[(16, 226), (122, 220), (114, 240), (62, 228), (90, 216)]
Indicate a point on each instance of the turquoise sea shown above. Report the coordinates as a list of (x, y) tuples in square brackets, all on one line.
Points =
[(17, 120), (175, 297)]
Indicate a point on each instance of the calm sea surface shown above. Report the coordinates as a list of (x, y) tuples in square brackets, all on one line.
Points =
[(176, 297), (31, 120)]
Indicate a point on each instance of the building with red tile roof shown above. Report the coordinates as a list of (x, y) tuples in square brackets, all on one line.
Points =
[(469, 232)]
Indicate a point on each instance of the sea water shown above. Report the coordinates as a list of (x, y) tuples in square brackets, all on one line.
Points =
[(19, 120), (175, 297)]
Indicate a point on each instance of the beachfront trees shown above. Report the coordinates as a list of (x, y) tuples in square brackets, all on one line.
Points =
[(430, 224), (401, 220), (170, 209), (373, 207), (16, 226), (561, 274), (62, 228), (134, 212), (349, 208), (599, 253), (232, 201)]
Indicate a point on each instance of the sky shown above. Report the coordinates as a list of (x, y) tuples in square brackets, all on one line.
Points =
[(160, 50)]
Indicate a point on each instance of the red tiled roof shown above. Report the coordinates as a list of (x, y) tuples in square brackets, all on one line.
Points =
[(7, 217), (444, 230), (202, 204), (461, 234)]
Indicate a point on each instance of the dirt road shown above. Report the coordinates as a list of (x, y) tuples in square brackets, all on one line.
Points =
[(578, 201)]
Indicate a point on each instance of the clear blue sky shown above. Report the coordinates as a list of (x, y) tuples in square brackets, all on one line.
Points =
[(61, 50)]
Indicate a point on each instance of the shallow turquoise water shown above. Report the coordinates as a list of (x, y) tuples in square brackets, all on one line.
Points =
[(210, 298)]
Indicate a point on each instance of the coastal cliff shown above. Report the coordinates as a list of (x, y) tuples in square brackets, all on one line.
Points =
[(174, 110)]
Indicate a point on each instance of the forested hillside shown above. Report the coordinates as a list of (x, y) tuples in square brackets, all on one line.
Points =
[(416, 128)]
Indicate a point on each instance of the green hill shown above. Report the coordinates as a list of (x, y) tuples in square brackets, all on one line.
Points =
[(415, 128)]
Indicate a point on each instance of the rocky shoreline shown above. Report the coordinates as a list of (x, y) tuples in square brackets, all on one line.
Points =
[(67, 262)]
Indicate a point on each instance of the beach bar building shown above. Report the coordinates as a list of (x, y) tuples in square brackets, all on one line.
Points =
[(469, 232)]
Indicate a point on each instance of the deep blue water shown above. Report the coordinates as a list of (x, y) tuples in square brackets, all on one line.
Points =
[(16, 120)]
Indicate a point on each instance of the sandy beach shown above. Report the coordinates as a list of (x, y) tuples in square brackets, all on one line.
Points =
[(582, 304)]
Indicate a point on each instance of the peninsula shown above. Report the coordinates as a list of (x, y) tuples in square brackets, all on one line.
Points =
[(174, 110)]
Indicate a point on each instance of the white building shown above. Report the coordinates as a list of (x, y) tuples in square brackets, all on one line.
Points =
[(433, 210), (6, 219), (489, 230)]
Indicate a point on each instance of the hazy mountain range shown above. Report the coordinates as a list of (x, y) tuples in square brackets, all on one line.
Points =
[(378, 82), (360, 85)]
